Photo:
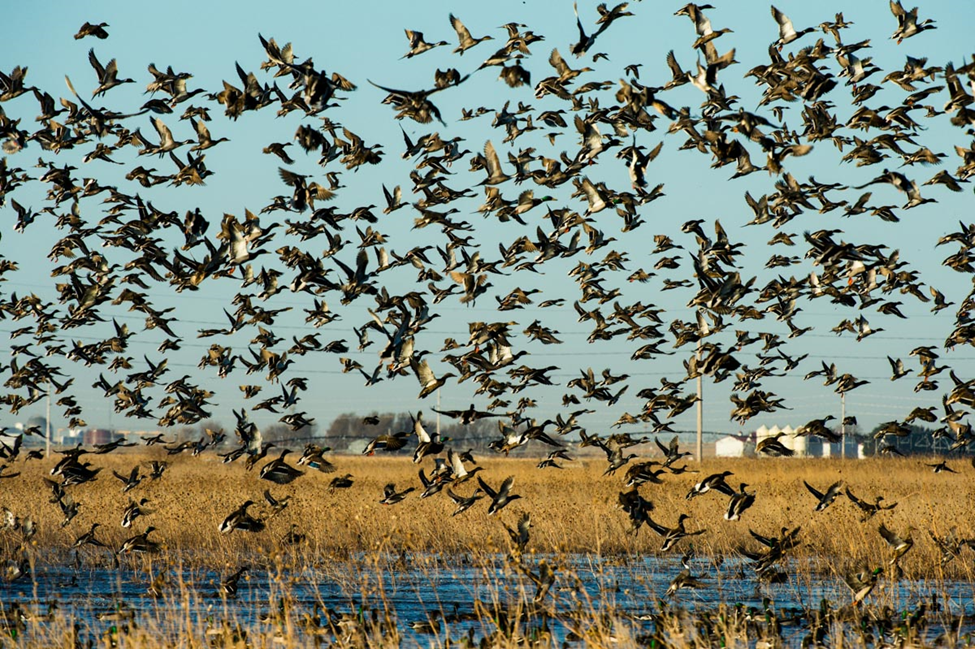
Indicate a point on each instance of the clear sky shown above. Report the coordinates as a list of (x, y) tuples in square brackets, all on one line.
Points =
[(366, 42)]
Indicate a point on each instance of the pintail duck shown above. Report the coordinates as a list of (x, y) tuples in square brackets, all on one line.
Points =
[(391, 496), (463, 504), (672, 535), (684, 579), (131, 481), (900, 544), (459, 472), (88, 29), (228, 585), (340, 482), (501, 497), (239, 519), (740, 501), (716, 482), (868, 509), (907, 24), (773, 447), (277, 506), (139, 543), (824, 499), (280, 472), (133, 511), (88, 538)]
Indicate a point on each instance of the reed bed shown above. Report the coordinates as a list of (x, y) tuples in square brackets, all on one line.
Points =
[(365, 571), (573, 510)]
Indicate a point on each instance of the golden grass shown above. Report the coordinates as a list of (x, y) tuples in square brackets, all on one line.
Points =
[(573, 510), (353, 541)]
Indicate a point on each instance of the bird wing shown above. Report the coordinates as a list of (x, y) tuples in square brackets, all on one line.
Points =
[(812, 490), (492, 494)]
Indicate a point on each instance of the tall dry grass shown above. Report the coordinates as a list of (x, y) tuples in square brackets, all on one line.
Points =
[(573, 510)]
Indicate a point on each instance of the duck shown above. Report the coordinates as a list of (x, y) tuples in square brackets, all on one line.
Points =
[(239, 519), (140, 543), (391, 496), (715, 481), (899, 544), (824, 499), (672, 536), (280, 472), (740, 501), (463, 504), (501, 497), (684, 579)]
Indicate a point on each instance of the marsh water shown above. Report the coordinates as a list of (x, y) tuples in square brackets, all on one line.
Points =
[(409, 588)]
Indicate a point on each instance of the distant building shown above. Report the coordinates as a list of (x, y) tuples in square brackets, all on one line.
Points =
[(735, 446), (810, 446)]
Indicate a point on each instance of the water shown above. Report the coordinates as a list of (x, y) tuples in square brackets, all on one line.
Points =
[(472, 597)]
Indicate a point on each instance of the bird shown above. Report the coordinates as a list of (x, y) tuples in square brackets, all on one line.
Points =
[(824, 499), (464, 503), (684, 579), (139, 543), (499, 498), (92, 29), (739, 502), (907, 24), (391, 496), (280, 472), (899, 544), (240, 519)]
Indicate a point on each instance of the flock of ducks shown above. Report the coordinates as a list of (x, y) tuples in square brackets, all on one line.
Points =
[(136, 246)]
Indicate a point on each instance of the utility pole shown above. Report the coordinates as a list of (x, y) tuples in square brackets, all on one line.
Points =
[(438, 413), (843, 425), (700, 405), (47, 421)]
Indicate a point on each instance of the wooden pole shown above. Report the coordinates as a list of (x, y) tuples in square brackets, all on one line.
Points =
[(843, 425), (700, 407)]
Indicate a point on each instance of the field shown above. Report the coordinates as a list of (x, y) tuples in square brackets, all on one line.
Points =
[(573, 510), (358, 545)]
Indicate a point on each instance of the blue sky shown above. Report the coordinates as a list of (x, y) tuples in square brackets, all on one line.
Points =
[(365, 42)]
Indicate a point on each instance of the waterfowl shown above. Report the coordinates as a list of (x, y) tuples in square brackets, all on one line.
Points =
[(131, 481), (499, 498), (229, 584), (684, 579), (824, 499), (391, 496), (787, 32), (277, 506), (899, 544), (459, 472), (239, 519), (676, 534), (418, 45), (139, 543), (88, 538), (716, 482), (463, 504), (134, 510), (521, 534), (907, 24), (280, 472), (740, 501), (464, 38), (340, 482), (107, 75), (92, 29), (773, 447), (862, 583)]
